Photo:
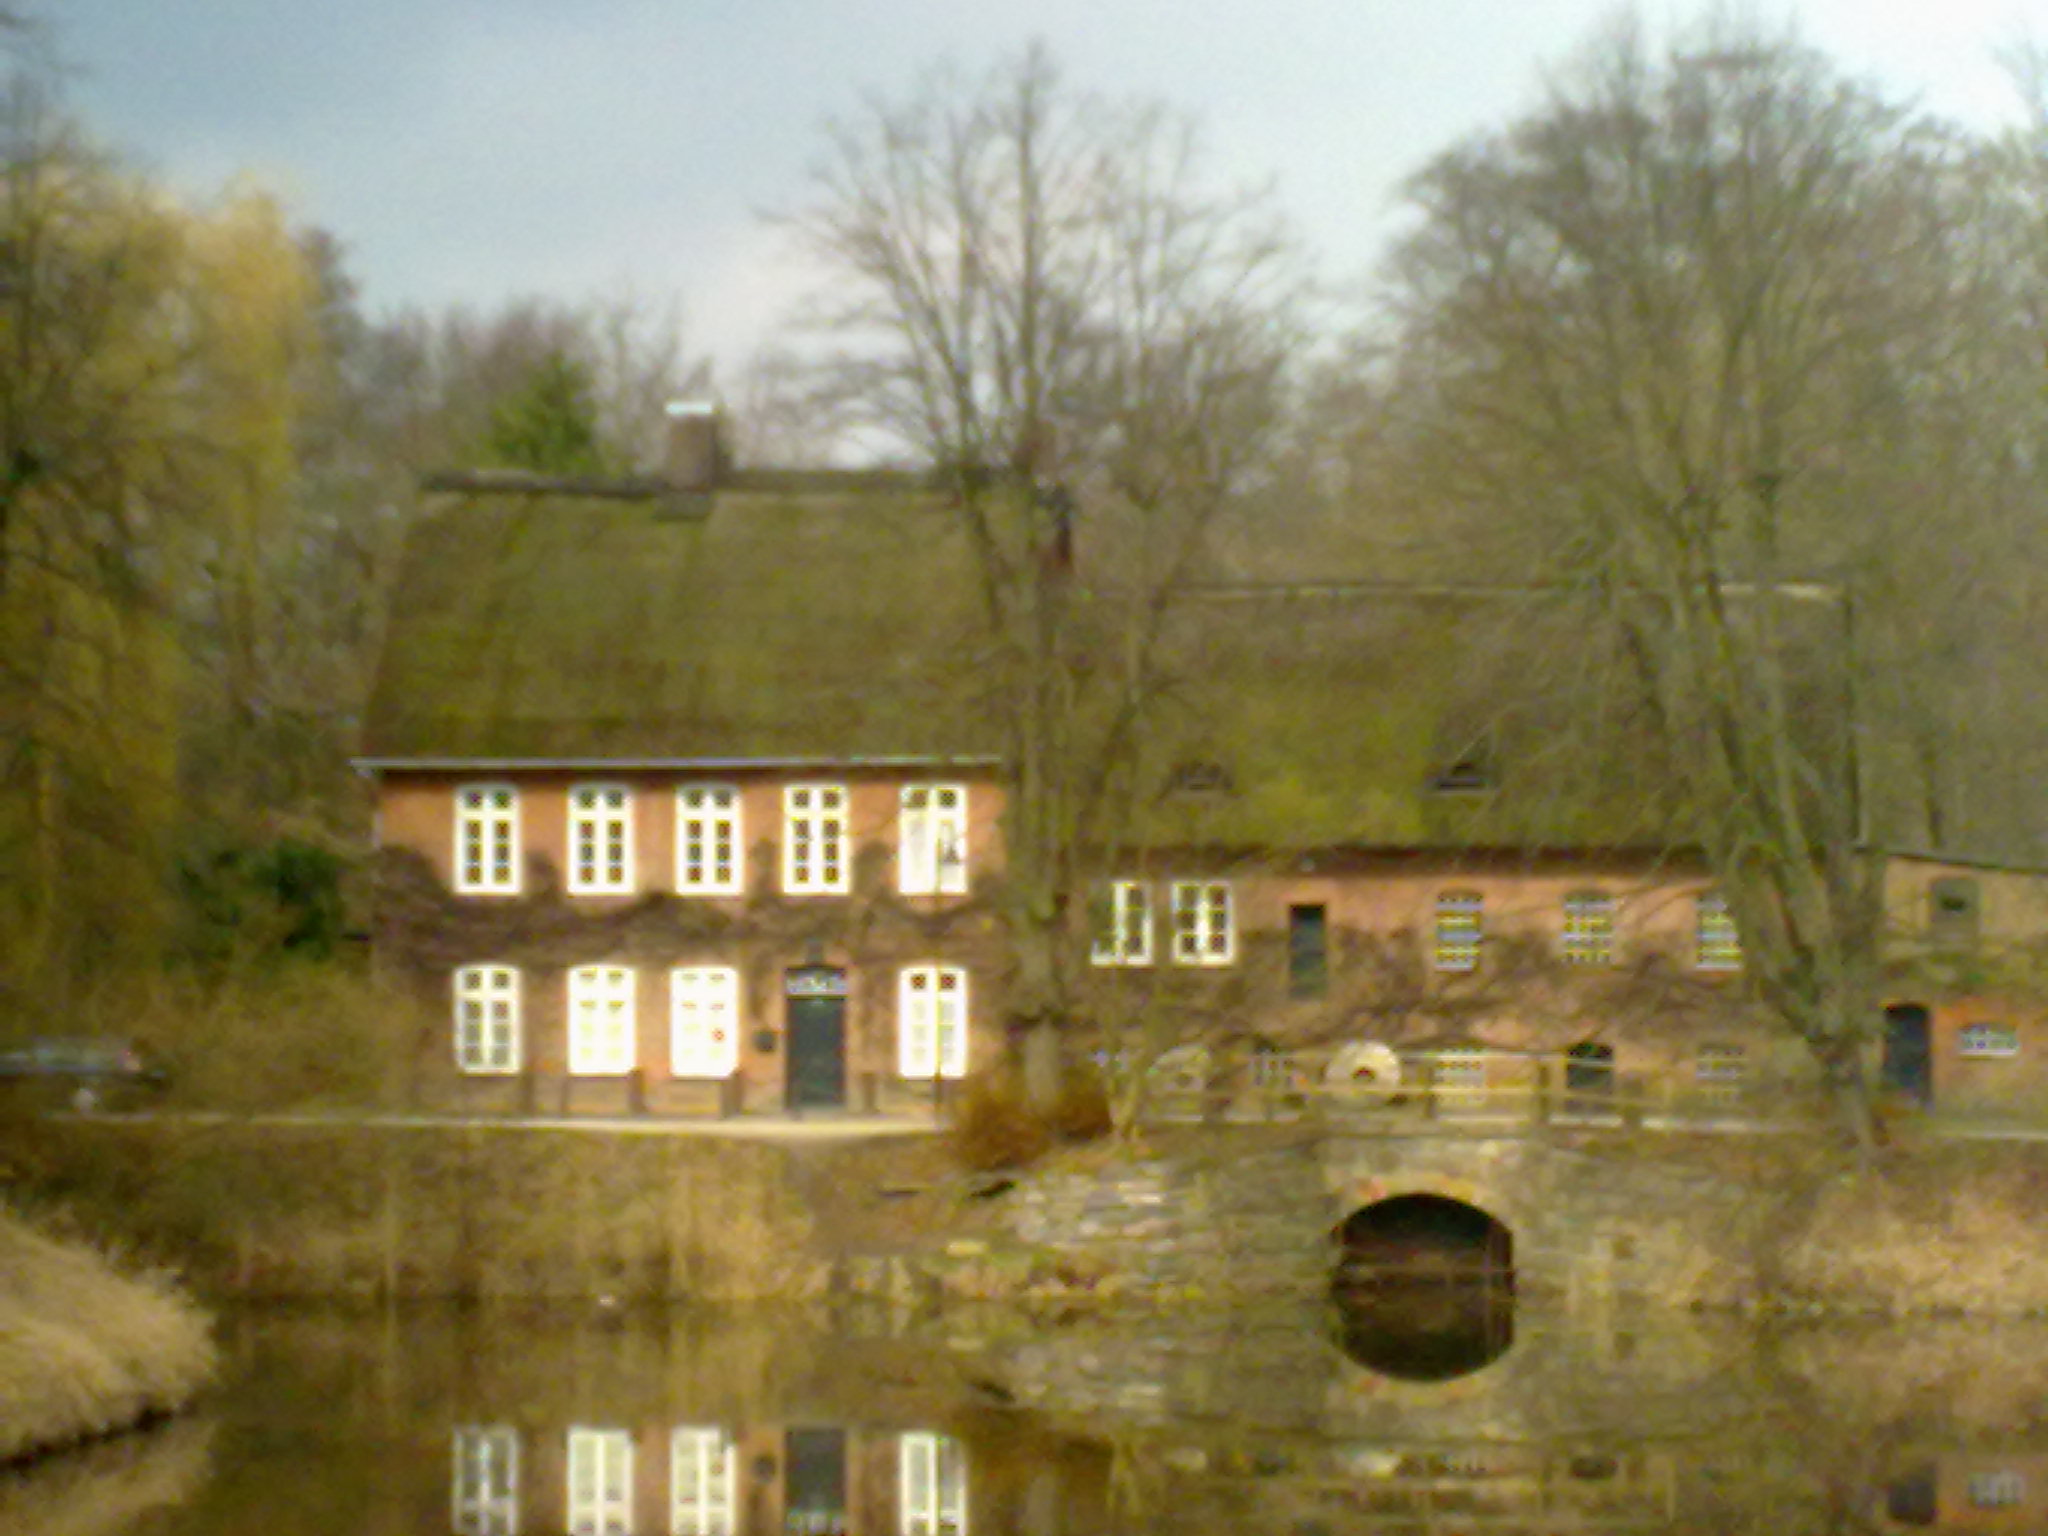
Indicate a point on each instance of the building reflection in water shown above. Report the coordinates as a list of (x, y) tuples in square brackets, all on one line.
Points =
[(706, 1481)]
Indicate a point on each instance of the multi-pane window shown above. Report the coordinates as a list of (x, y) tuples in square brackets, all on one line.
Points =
[(1123, 924), (1460, 925), (1461, 1068), (600, 1482), (708, 840), (1204, 932), (1720, 1069), (1996, 1490), (814, 838), (702, 1500), (485, 1481), (931, 850), (601, 1020), (1719, 945), (1992, 1041), (600, 839), (704, 1017), (487, 839), (1588, 928), (487, 1018), (933, 1485), (931, 1021)]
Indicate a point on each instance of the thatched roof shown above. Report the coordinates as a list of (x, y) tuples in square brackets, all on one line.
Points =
[(808, 626)]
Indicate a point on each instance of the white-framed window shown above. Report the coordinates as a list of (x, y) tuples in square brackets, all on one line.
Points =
[(1588, 928), (708, 841), (1996, 1490), (485, 1480), (1718, 947), (487, 840), (702, 1495), (1123, 924), (931, 1021), (1204, 924), (704, 1021), (1460, 926), (1987, 1041), (487, 1019), (931, 842), (932, 1479), (1721, 1069), (814, 839), (601, 1023), (1461, 1068), (600, 1482), (600, 839)]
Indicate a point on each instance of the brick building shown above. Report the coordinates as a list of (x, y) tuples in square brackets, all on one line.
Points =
[(693, 801)]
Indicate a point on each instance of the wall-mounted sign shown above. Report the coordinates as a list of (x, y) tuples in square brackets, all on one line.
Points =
[(1988, 1040), (815, 981)]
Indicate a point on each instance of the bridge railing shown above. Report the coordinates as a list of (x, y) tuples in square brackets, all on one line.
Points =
[(1477, 1093)]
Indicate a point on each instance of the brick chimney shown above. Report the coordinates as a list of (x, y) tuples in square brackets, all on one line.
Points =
[(695, 457)]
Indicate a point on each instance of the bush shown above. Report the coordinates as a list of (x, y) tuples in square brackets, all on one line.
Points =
[(993, 1127)]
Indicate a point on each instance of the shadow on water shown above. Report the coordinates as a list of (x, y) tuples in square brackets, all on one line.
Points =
[(1424, 1288)]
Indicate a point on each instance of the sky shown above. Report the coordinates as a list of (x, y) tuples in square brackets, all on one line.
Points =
[(472, 151)]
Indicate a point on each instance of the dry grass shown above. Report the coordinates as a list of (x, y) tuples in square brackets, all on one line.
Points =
[(85, 1350)]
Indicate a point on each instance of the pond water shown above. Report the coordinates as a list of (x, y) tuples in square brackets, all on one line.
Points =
[(1587, 1418)]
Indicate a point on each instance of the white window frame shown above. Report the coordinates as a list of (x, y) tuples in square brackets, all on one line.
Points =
[(600, 840), (1460, 1068), (1987, 1040), (1126, 937), (598, 1482), (1204, 922), (704, 1021), (487, 1019), (710, 851), (814, 840), (1717, 945), (931, 1476), (703, 1488), (1589, 923), (1996, 1490), (931, 840), (931, 1021), (601, 1002), (487, 839), (484, 1481), (1460, 931)]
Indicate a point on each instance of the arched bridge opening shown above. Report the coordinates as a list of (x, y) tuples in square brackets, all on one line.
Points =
[(1424, 1286)]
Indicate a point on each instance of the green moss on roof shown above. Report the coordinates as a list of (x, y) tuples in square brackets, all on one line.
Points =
[(798, 624)]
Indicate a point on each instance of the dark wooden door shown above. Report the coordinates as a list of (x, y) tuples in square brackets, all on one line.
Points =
[(814, 1482), (1909, 1053), (817, 1038)]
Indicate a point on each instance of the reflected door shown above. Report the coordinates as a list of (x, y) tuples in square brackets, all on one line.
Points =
[(814, 1484), (1908, 1053)]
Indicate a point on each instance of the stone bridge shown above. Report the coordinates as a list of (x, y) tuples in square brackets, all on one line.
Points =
[(1237, 1212)]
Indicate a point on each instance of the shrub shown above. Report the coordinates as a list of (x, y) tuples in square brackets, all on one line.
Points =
[(994, 1127)]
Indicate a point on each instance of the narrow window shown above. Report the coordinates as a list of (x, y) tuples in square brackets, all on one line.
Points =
[(487, 1019), (931, 1021), (1203, 930), (1308, 955), (487, 839), (704, 1011), (601, 1020), (931, 852), (814, 839), (1952, 907), (600, 840), (708, 840), (1719, 946), (1123, 924), (600, 1482), (1460, 924), (1588, 928), (702, 1498), (485, 1480), (933, 1478)]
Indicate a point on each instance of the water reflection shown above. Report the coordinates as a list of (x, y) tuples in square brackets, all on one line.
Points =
[(1001, 1426), (1422, 1330)]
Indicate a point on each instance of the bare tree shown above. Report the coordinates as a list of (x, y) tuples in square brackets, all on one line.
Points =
[(1681, 334), (1039, 294)]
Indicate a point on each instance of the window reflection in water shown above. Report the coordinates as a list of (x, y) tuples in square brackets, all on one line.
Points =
[(714, 1481)]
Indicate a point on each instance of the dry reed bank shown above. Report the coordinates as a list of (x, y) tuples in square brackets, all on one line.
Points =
[(84, 1350)]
